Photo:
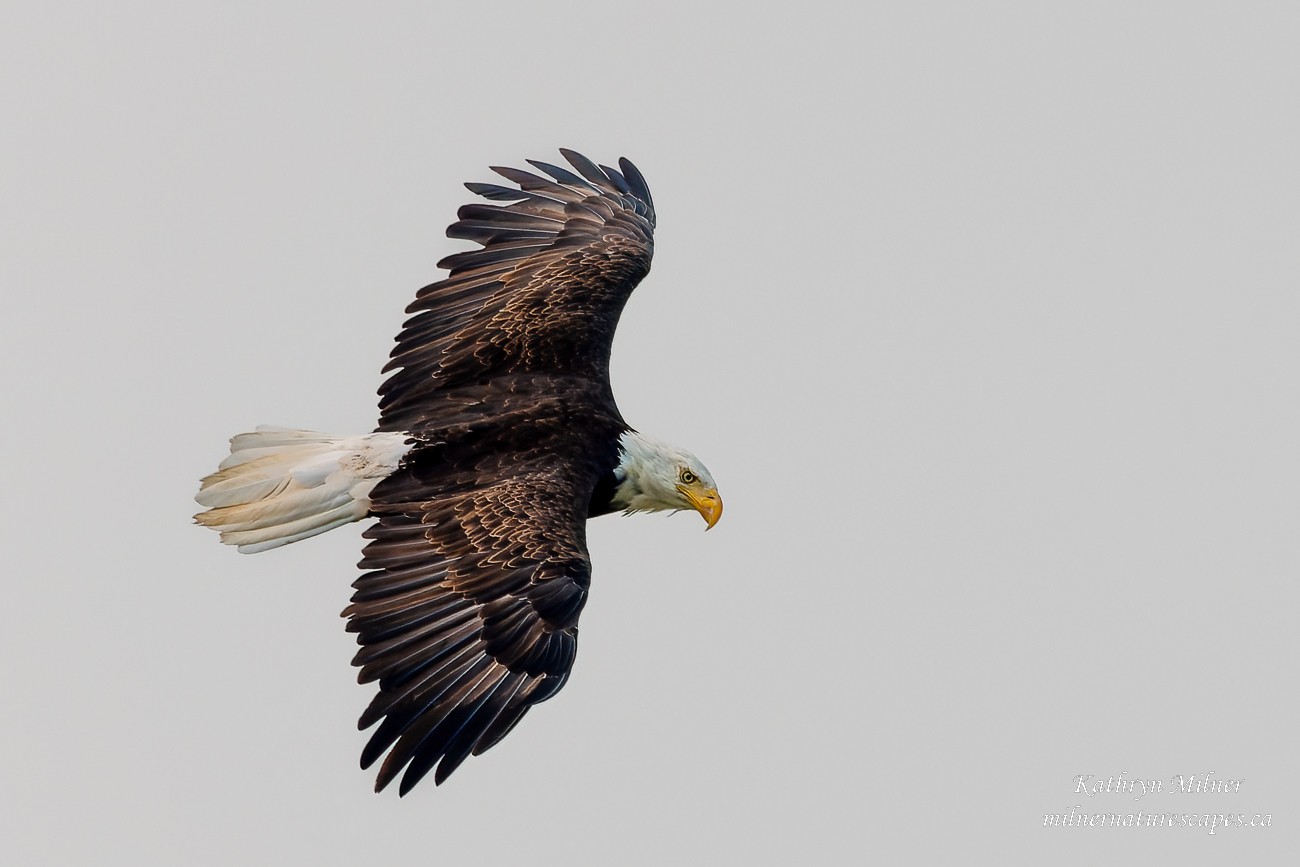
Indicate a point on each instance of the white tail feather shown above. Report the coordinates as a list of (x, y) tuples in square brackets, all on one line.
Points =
[(280, 485)]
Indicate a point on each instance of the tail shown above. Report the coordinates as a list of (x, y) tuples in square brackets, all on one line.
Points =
[(280, 485)]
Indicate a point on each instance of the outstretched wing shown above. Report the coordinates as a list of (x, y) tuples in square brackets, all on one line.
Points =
[(543, 294), (479, 556), (470, 616)]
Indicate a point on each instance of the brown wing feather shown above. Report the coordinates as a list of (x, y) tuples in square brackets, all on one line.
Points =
[(479, 563), (470, 617), (543, 294)]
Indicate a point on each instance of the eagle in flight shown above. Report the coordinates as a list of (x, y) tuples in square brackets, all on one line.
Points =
[(498, 438)]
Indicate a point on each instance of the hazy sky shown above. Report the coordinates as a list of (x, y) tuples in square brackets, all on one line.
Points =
[(984, 316)]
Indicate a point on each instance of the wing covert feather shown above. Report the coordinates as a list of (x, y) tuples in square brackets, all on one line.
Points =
[(470, 615), (542, 294)]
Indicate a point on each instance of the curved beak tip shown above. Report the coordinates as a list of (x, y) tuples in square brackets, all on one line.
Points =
[(707, 503), (711, 510)]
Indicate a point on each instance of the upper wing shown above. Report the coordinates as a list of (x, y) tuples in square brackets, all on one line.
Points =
[(471, 615), (544, 292)]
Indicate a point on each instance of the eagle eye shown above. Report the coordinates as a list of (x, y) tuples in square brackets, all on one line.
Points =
[(689, 478)]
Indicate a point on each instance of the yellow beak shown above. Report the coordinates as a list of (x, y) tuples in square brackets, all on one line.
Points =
[(707, 502)]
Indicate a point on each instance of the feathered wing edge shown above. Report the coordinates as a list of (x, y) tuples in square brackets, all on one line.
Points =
[(590, 228), (469, 619)]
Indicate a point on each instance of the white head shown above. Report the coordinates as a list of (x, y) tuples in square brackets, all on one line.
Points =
[(654, 476)]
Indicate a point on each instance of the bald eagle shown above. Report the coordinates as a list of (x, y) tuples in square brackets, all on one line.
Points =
[(498, 438)]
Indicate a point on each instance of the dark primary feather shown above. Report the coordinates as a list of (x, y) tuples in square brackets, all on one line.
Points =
[(471, 616), (479, 566), (543, 293)]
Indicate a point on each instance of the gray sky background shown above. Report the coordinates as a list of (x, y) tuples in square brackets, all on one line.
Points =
[(983, 315)]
